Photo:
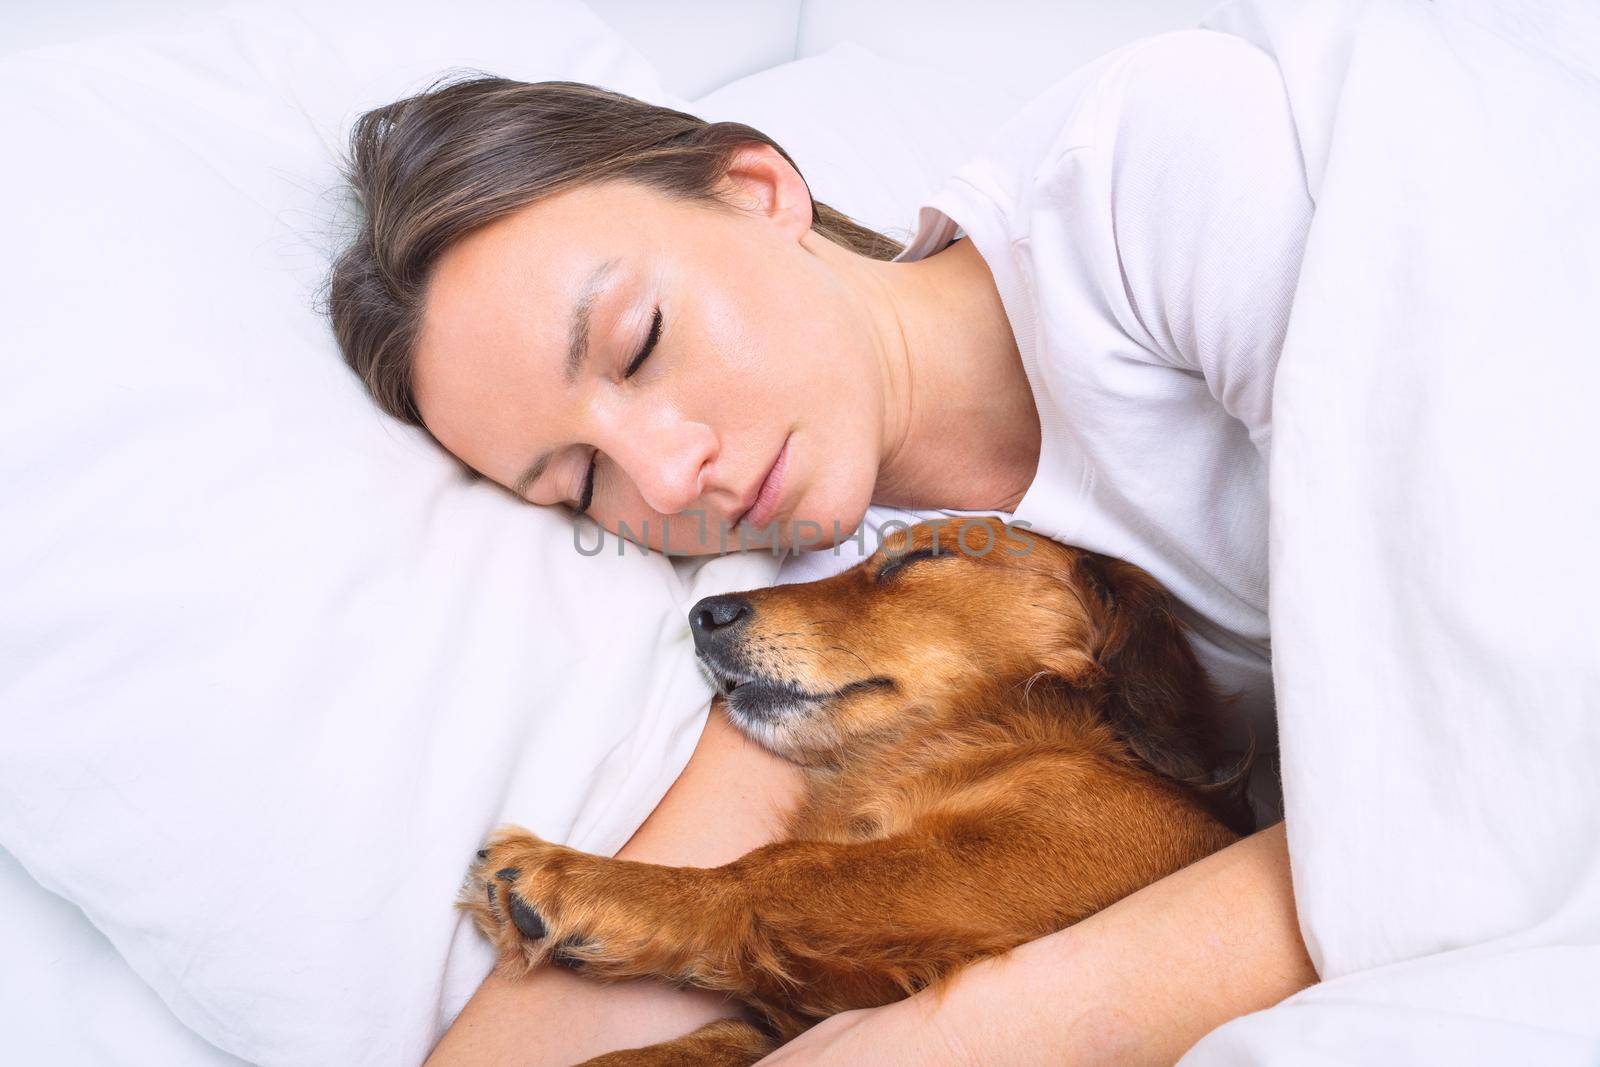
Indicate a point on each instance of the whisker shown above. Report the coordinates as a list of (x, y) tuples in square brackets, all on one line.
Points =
[(852, 652)]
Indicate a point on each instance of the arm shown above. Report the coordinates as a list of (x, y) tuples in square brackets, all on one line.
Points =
[(731, 797), (1137, 983)]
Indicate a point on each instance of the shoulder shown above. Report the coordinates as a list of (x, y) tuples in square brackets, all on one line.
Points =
[(1160, 132), (1194, 138), (1176, 95), (1172, 88), (1187, 196), (1190, 57)]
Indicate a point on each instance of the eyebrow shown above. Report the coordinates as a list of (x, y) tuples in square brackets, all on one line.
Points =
[(588, 296), (577, 353)]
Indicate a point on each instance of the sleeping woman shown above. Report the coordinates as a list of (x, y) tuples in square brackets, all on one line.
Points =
[(619, 308)]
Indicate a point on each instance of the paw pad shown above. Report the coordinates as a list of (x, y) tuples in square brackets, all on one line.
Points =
[(526, 919)]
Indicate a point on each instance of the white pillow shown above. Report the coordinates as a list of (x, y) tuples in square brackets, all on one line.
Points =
[(271, 665)]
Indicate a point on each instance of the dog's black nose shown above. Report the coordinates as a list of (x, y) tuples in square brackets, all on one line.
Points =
[(716, 616)]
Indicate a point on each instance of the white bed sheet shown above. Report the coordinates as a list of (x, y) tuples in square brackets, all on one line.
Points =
[(70, 998)]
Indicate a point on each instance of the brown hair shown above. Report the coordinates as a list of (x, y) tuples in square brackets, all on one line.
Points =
[(433, 167)]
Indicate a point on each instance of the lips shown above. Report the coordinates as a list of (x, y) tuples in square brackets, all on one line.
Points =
[(769, 494), (752, 696), (722, 676), (759, 698)]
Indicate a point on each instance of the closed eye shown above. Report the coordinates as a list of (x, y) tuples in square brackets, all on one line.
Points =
[(649, 346), (894, 563), (587, 496)]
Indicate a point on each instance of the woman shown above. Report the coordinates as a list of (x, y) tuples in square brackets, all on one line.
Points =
[(616, 307)]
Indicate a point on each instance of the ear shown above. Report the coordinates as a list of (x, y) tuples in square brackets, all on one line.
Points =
[(1157, 696), (760, 179)]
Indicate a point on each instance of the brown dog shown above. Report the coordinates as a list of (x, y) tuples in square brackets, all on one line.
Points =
[(1001, 736)]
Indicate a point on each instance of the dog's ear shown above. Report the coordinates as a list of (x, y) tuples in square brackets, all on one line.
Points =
[(1156, 694)]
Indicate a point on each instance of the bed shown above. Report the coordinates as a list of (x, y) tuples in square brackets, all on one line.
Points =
[(270, 665)]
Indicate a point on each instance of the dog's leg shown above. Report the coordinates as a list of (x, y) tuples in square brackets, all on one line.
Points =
[(607, 918), (725, 1043), (800, 930)]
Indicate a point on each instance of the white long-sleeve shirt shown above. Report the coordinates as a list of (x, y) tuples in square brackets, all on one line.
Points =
[(1144, 221)]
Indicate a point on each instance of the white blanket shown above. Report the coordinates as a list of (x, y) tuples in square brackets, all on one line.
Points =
[(1435, 519)]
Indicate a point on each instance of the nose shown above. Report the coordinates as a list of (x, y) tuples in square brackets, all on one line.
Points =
[(666, 456), (715, 618)]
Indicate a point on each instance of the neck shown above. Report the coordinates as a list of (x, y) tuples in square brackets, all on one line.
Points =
[(961, 429)]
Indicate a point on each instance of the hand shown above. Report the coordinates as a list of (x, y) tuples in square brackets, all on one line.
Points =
[(908, 1033)]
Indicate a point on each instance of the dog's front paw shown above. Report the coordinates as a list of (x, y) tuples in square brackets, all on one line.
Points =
[(609, 919), (521, 894)]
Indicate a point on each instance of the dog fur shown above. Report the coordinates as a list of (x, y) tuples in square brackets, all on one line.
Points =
[(1000, 736)]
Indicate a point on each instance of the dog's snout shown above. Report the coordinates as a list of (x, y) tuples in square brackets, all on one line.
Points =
[(717, 616)]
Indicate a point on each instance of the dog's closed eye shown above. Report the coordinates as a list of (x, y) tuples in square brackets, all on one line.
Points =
[(895, 563)]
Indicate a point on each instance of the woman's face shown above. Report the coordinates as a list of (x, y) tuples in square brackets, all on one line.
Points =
[(753, 341)]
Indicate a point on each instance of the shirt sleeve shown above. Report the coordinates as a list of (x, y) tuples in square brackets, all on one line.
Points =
[(1209, 211)]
